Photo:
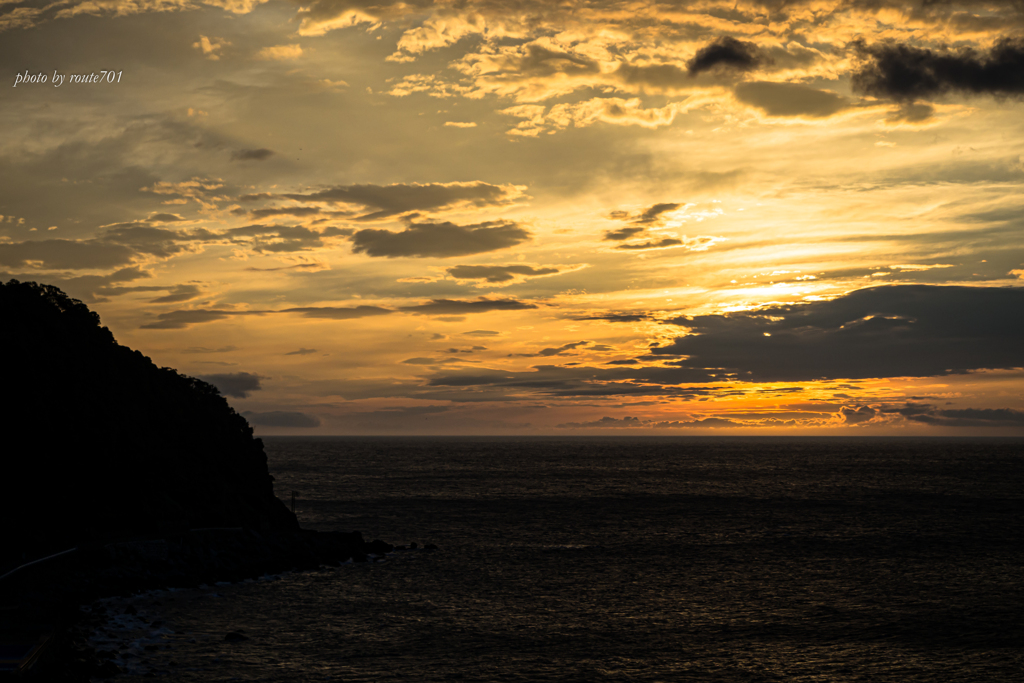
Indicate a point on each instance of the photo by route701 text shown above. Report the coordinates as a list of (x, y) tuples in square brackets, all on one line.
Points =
[(59, 79)]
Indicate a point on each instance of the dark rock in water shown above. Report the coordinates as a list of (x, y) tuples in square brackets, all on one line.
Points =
[(379, 547), (235, 637)]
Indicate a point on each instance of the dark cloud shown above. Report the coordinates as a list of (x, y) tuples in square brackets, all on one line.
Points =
[(652, 244), (725, 52), (276, 238), (301, 352), (498, 273), (790, 99), (616, 317), (178, 294), (553, 380), (635, 422), (891, 331), (650, 216), (300, 266), (541, 61), (286, 211), (439, 240), (203, 349), (65, 254), (159, 242), (904, 73), (392, 200), (554, 350), (251, 154), (604, 423), (90, 288), (179, 320), (857, 415), (235, 384), (961, 417), (456, 307), (282, 418), (910, 112), (338, 312), (655, 75), (624, 233), (165, 218)]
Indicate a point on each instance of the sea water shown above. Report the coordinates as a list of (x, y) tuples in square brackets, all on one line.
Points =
[(624, 559)]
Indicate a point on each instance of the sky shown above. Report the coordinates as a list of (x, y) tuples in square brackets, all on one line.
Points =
[(527, 217)]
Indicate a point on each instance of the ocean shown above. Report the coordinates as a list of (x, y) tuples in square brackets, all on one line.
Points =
[(621, 559)]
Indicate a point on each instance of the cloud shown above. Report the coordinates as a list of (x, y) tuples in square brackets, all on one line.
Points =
[(961, 417), (282, 418), (177, 320), (460, 124), (624, 233), (439, 240), (301, 352), (90, 288), (553, 380), (210, 47), (662, 76), (498, 274), (857, 415), (302, 266), (338, 312), (165, 218), (616, 317), (725, 52), (235, 384), (663, 243), (288, 211), (455, 307), (203, 349), (890, 331), (65, 254), (790, 99), (251, 154), (281, 52), (635, 422), (905, 73), (280, 238), (555, 351), (399, 198), (159, 242), (702, 243), (178, 294), (653, 214)]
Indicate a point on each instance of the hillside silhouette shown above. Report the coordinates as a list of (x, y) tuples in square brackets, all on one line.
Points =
[(101, 444)]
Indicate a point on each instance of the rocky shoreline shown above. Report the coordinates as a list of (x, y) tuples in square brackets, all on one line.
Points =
[(54, 600)]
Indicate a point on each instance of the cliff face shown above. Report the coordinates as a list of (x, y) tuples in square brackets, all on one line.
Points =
[(100, 443)]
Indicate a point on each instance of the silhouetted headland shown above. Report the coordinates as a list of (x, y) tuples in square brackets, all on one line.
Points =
[(147, 474)]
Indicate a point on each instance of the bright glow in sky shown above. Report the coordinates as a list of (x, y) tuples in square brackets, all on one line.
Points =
[(482, 217)]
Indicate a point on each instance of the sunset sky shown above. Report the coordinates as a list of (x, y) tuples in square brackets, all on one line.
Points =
[(526, 217)]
